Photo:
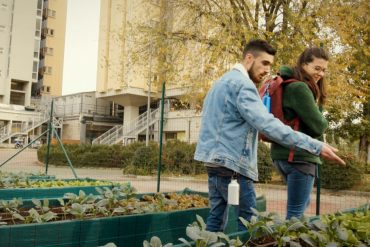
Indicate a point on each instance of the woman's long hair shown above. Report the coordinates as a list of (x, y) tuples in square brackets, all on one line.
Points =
[(318, 89)]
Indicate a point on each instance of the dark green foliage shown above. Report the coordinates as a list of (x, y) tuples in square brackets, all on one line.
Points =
[(145, 160), (138, 159), (337, 177), (264, 163), (135, 158), (178, 158)]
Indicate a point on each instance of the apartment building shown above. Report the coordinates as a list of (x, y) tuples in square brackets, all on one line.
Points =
[(31, 63), (122, 79), (50, 73)]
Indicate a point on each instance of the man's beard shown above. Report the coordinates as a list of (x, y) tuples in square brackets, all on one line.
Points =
[(252, 76)]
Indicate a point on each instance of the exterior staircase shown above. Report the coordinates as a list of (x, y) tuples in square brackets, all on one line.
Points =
[(119, 133), (15, 129)]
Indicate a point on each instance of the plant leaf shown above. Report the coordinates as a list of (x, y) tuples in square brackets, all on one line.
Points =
[(201, 222), (155, 242), (294, 244), (185, 242), (307, 239), (193, 232), (342, 233)]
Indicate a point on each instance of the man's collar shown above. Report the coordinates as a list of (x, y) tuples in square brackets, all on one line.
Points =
[(242, 69)]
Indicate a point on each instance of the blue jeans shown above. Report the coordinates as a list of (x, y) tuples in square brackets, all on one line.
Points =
[(218, 181), (299, 188)]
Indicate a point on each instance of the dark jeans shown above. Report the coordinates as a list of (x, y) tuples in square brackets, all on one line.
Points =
[(218, 181), (299, 188)]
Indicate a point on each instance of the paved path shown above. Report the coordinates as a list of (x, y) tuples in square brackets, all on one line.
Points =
[(275, 194)]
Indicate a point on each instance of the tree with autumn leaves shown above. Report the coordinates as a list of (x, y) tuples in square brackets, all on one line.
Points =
[(195, 41)]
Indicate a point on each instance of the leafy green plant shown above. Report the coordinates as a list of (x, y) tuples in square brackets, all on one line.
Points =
[(155, 242), (80, 210), (12, 207), (268, 229), (35, 217), (201, 237)]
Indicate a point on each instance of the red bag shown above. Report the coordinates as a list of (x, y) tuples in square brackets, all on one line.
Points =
[(274, 89)]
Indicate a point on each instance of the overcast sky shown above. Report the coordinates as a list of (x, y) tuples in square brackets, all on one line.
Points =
[(81, 46)]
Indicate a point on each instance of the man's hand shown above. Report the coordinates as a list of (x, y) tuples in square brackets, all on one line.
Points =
[(328, 153)]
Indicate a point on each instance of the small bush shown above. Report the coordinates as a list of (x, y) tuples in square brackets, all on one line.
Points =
[(146, 158), (338, 177), (264, 162), (178, 157)]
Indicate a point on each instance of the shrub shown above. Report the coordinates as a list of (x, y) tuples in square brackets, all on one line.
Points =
[(264, 163), (178, 157), (146, 158), (338, 177), (138, 159)]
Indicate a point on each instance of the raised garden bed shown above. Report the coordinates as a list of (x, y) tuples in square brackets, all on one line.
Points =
[(95, 230), (54, 188)]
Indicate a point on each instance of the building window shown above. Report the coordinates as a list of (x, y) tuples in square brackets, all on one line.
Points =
[(42, 88), (171, 136), (49, 50), (51, 13), (49, 70), (48, 89), (50, 31)]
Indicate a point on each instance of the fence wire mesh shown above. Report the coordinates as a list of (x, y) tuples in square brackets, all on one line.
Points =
[(274, 191)]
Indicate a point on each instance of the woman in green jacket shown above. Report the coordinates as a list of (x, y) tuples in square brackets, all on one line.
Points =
[(303, 99)]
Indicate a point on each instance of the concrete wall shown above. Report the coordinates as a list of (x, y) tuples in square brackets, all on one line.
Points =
[(186, 125), (71, 130)]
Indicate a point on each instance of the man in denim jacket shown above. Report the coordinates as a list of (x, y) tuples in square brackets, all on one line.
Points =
[(233, 113)]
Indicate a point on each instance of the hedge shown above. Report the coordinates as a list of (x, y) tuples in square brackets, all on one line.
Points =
[(138, 159), (338, 177)]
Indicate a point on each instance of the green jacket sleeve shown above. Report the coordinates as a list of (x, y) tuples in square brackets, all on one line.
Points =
[(299, 101)]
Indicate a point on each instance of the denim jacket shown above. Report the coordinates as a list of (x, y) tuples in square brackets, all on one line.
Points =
[(233, 113)]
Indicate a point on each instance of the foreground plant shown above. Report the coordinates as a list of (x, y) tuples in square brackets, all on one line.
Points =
[(155, 242), (268, 229)]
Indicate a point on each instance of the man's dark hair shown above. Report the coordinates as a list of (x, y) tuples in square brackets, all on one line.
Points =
[(256, 46)]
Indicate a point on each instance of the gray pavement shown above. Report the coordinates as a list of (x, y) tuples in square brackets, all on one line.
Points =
[(275, 194)]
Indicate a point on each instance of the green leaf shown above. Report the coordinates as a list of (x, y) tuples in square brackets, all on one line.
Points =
[(294, 244), (342, 233), (18, 216), (193, 232), (217, 244), (320, 225), (307, 239), (185, 242), (49, 216), (333, 244), (37, 203), (201, 222), (155, 242)]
